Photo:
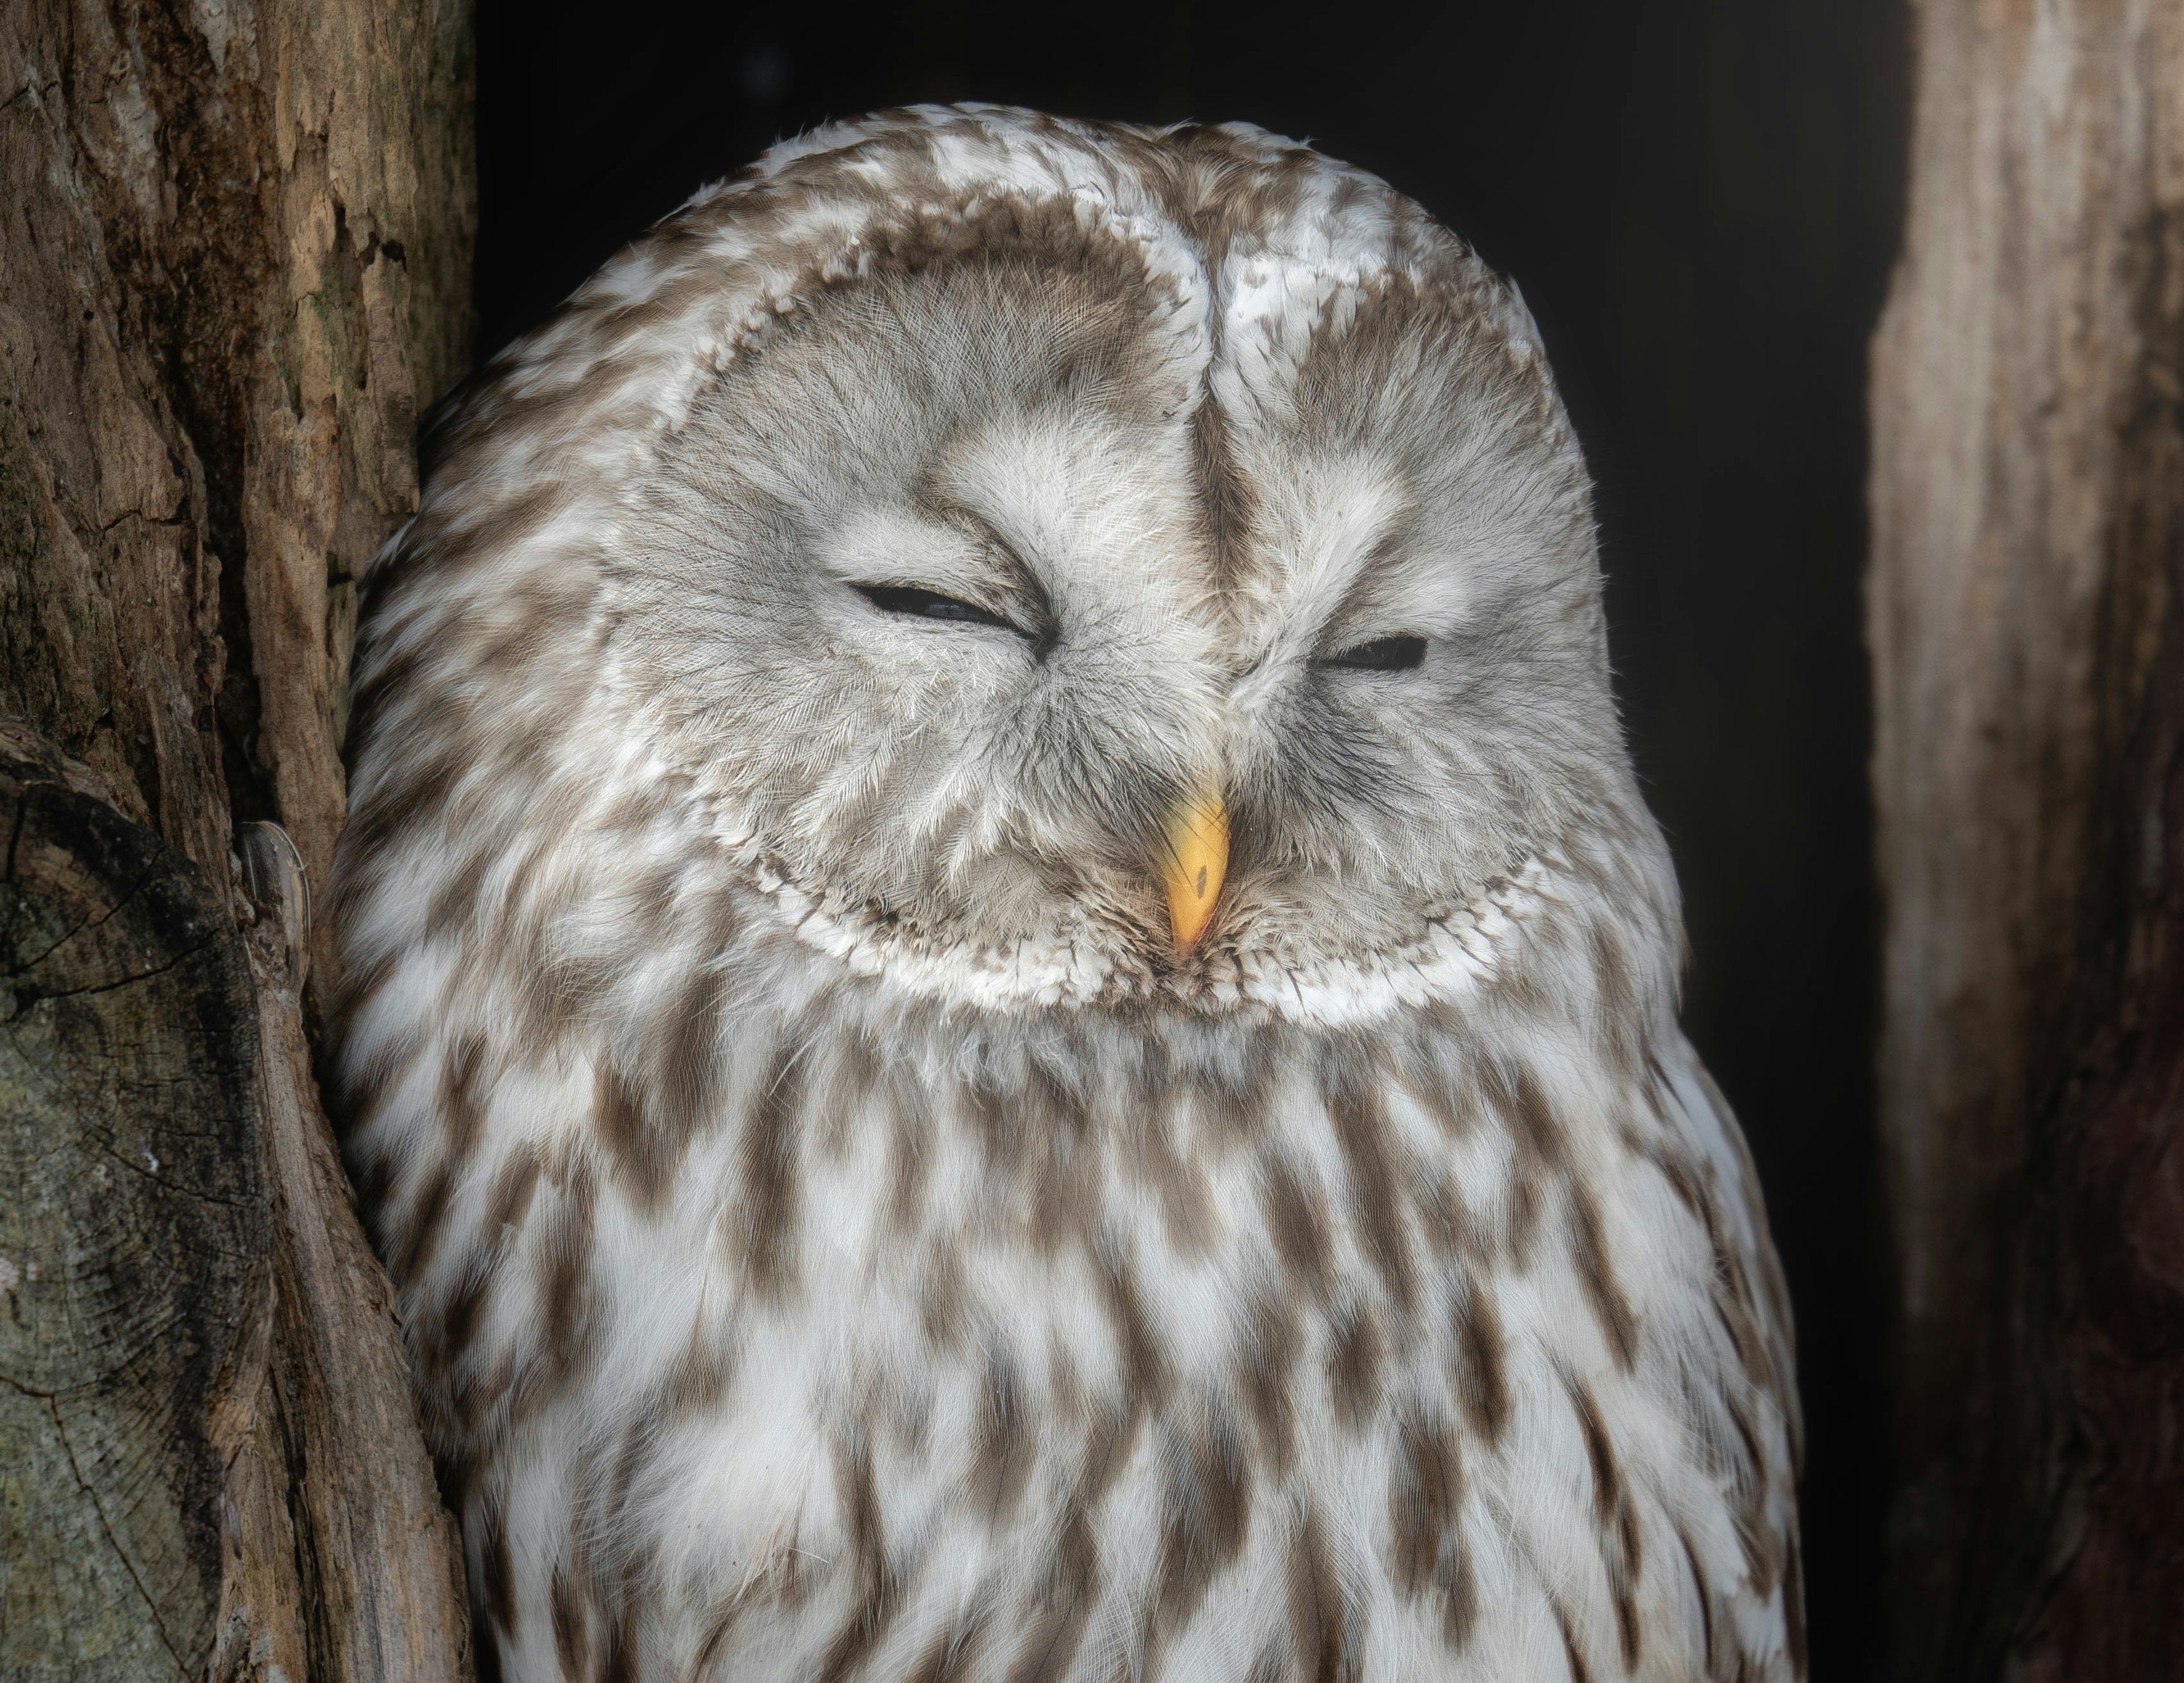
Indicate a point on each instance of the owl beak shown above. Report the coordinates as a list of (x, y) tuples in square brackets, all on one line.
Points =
[(1194, 862)]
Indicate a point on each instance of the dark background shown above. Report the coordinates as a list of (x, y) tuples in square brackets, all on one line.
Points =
[(1701, 202)]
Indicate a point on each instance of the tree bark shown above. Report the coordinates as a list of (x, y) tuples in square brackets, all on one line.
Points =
[(2025, 611), (234, 267), (134, 1236)]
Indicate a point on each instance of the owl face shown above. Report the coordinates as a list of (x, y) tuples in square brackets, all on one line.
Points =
[(993, 559)]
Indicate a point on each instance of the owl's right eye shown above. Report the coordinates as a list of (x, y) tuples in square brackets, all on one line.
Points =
[(930, 605)]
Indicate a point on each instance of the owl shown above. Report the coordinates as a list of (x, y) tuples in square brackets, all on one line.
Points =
[(1006, 1007)]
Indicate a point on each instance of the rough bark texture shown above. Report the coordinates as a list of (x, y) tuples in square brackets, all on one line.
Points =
[(371, 1584), (133, 1236), (2026, 616), (235, 264), (235, 244)]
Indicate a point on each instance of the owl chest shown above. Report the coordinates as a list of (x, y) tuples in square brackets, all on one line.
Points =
[(1119, 1256), (1029, 1307), (1166, 1358)]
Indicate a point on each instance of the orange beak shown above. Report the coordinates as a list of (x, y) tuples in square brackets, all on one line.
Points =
[(1196, 861)]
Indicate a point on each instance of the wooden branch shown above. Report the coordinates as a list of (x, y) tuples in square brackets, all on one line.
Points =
[(2023, 611), (235, 267)]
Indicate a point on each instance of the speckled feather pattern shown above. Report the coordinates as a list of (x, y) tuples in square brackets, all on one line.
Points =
[(838, 1236)]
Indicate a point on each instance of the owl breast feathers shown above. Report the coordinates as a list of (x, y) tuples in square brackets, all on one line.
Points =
[(1006, 1007)]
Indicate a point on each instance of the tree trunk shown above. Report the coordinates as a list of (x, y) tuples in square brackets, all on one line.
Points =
[(234, 266), (2025, 611)]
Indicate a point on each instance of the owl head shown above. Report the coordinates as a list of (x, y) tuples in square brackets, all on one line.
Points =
[(1046, 558)]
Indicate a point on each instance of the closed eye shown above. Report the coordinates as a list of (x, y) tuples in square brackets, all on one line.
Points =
[(1382, 654), (919, 604)]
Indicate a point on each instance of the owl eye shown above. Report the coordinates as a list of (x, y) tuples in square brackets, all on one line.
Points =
[(918, 603), (1382, 654)]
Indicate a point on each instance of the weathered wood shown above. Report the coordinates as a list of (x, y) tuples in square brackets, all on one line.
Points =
[(134, 1247), (212, 1466), (209, 1467), (387, 1599), (2024, 613), (234, 266)]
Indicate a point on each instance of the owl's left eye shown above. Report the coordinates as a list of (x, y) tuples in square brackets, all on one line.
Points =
[(920, 603), (1382, 654)]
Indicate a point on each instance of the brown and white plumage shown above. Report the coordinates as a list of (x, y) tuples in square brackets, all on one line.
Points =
[(843, 1232)]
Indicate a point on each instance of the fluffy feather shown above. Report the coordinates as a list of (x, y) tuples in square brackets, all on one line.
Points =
[(840, 1236)]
